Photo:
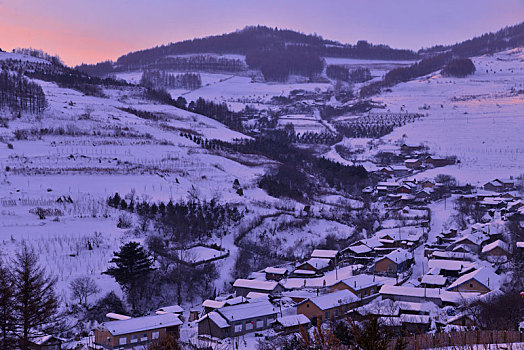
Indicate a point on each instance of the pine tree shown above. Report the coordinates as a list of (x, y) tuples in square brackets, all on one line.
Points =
[(7, 319), (35, 300), (133, 265)]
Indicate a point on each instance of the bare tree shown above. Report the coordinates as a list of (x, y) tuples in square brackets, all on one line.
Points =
[(82, 288)]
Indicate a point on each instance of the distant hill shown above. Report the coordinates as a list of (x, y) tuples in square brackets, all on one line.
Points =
[(506, 38), (244, 42)]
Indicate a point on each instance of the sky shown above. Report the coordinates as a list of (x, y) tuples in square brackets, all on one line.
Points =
[(91, 31)]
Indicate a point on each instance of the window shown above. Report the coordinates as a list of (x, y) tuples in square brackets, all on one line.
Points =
[(155, 335), (122, 341), (143, 337), (249, 325), (471, 285), (238, 328), (327, 315), (134, 338), (336, 312), (260, 323)]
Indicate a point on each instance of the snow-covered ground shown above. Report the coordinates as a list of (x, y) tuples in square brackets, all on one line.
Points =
[(478, 118)]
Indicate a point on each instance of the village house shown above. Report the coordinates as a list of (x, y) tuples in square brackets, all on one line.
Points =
[(275, 273), (482, 280), (332, 255), (437, 296), (473, 241), (316, 265), (462, 319), (496, 249), (291, 323), (210, 305), (46, 342), (447, 268), (236, 320), (173, 309), (433, 281), (412, 163), (126, 334), (397, 261), (329, 306), (495, 186), (363, 286), (244, 286), (439, 162)]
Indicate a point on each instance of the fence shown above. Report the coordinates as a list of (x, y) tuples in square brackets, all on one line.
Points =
[(426, 341)]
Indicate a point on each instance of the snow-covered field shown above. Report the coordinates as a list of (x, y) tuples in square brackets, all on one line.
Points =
[(479, 118)]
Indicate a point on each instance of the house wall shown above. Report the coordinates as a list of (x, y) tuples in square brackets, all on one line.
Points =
[(361, 293), (497, 252), (386, 265), (208, 327), (241, 291), (251, 325), (101, 337), (312, 311), (471, 286)]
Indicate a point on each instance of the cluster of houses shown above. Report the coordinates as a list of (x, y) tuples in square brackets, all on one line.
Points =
[(369, 278)]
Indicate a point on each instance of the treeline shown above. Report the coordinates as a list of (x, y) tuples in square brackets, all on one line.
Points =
[(54, 59), (276, 64), (161, 79), (204, 63), (253, 38), (71, 78), (506, 38), (210, 109), (339, 72), (459, 68), (19, 93), (403, 74), (182, 221)]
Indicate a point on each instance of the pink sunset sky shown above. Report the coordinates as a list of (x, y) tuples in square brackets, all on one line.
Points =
[(95, 30)]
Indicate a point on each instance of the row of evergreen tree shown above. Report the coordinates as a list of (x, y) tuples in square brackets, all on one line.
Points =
[(162, 79), (19, 93), (277, 63), (358, 75), (403, 74), (183, 221)]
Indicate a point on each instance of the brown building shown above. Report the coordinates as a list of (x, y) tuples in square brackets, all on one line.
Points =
[(397, 261), (328, 307), (496, 249), (362, 286), (236, 320), (126, 334), (482, 281), (244, 286)]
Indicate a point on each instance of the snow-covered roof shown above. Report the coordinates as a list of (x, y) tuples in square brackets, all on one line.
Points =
[(457, 317), (255, 295), (520, 244), (276, 270), (372, 242), (421, 319), (255, 284), (331, 300), (476, 238), (248, 311), (359, 249), (497, 244), (293, 320), (398, 256), (115, 316), (436, 280), (324, 253), (139, 324), (304, 272), (360, 282), (175, 309), (214, 304), (216, 318), (483, 275), (454, 255), (448, 265), (410, 291), (235, 300), (319, 263)]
